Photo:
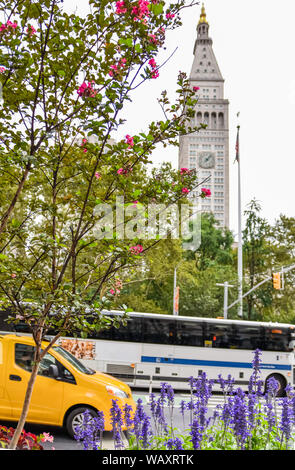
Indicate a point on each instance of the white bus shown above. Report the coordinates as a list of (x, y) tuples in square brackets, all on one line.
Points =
[(156, 348)]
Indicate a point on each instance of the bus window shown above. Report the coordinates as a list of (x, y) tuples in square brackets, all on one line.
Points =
[(248, 337), (158, 331), (277, 339), (189, 333), (134, 329), (219, 335)]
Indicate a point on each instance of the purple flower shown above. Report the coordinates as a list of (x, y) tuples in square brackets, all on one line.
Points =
[(117, 422), (90, 431), (196, 434), (270, 416), (286, 422), (140, 410), (240, 424), (256, 361), (175, 444), (145, 432), (170, 395), (272, 387), (127, 415), (160, 417)]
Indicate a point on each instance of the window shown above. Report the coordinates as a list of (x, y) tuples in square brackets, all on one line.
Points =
[(24, 356), (189, 333), (158, 331), (218, 335), (277, 339), (73, 361), (248, 337)]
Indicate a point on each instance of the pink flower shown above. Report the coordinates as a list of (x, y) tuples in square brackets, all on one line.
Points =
[(185, 190), (31, 30), (84, 142), (155, 74), (46, 437), (87, 90), (134, 203), (141, 10), (6, 26), (205, 192), (154, 71), (136, 250), (129, 141), (153, 39), (97, 175), (11, 25), (152, 63), (196, 88), (183, 171), (120, 8), (124, 171), (117, 68), (169, 16), (2, 69), (112, 291), (13, 275)]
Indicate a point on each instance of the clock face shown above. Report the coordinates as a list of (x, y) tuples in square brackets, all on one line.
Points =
[(207, 160)]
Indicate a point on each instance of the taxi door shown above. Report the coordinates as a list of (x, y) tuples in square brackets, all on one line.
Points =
[(5, 405), (47, 397)]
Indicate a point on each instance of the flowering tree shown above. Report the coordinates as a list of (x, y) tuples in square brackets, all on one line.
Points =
[(65, 80)]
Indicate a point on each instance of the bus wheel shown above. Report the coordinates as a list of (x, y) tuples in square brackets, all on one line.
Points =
[(282, 384), (76, 419)]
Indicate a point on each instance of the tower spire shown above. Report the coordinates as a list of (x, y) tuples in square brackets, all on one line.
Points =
[(203, 18)]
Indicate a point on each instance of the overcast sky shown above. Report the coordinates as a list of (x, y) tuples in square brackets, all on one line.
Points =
[(253, 42)]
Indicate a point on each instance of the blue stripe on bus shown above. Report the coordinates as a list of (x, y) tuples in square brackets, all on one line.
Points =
[(197, 362)]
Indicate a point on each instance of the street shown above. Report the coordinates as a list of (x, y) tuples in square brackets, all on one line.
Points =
[(63, 442)]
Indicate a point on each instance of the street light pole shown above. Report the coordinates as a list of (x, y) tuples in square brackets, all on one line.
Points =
[(226, 285)]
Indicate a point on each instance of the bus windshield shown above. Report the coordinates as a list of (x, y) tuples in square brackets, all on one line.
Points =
[(74, 361)]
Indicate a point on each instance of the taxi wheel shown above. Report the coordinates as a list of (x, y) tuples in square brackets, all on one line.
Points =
[(76, 418)]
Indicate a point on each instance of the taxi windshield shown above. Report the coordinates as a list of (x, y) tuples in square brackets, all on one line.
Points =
[(73, 361)]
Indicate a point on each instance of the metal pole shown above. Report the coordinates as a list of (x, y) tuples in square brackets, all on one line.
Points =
[(225, 300), (240, 246), (226, 285), (174, 291)]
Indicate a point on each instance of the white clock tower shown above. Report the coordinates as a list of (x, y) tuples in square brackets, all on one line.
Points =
[(208, 149)]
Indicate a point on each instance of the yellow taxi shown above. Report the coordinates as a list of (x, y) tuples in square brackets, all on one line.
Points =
[(63, 390)]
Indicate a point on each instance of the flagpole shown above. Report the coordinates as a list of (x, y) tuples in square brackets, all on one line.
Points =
[(240, 246)]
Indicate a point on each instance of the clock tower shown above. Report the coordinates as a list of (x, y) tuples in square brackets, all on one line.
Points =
[(208, 150)]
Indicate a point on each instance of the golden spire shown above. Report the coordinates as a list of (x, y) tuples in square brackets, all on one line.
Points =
[(203, 18)]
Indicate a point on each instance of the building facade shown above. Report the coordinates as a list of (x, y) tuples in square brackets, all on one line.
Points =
[(208, 150)]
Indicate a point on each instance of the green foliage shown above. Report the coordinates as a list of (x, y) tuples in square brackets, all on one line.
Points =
[(150, 288)]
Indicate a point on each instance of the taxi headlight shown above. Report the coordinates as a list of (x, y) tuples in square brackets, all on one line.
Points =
[(116, 392)]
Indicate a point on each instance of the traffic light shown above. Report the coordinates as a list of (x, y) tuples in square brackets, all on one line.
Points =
[(276, 280)]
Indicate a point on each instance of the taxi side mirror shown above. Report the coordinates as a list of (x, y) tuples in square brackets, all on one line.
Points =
[(53, 371)]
